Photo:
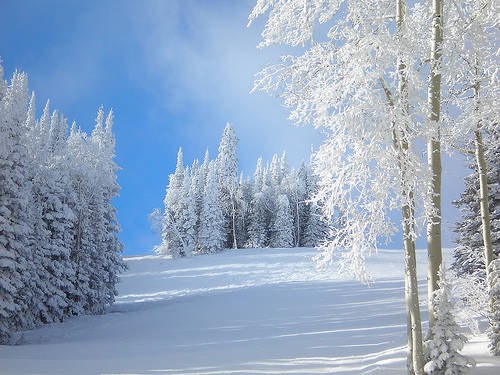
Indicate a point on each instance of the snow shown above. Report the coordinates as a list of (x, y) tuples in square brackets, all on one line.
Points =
[(255, 311)]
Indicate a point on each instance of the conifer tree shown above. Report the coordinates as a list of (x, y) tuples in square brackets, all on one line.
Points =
[(212, 235), (442, 349), (199, 188), (257, 234), (227, 173), (171, 234), (187, 216), (282, 229), (14, 202), (469, 253), (59, 251)]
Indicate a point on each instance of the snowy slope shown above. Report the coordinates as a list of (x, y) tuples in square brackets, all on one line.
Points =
[(247, 311)]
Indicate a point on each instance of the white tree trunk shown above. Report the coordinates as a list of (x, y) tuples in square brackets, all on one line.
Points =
[(434, 251), (482, 171), (414, 327)]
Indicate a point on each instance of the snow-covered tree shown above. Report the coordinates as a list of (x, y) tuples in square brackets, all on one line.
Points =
[(257, 236), (243, 199), (171, 234), (469, 253), (282, 227), (446, 340), (227, 174), (59, 251), (15, 253), (187, 216), (212, 235), (295, 188), (109, 244), (53, 217), (471, 73), (199, 182)]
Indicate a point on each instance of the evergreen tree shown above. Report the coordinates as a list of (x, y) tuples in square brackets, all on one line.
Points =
[(257, 234), (295, 188), (242, 198), (14, 202), (171, 237), (53, 219), (212, 235), (187, 216), (316, 227), (446, 341), (199, 188), (111, 247), (59, 251), (469, 253), (227, 173), (282, 229)]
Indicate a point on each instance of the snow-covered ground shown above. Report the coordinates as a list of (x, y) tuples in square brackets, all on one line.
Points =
[(246, 312)]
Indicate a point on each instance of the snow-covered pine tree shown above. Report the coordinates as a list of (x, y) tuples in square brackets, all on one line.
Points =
[(227, 174), (295, 189), (212, 235), (15, 252), (194, 192), (275, 173), (257, 233), (77, 160), (53, 218), (442, 350), (199, 188), (95, 251), (111, 246), (58, 224), (60, 221), (243, 198), (95, 180), (38, 237), (171, 237), (316, 228), (282, 228), (187, 216), (469, 253)]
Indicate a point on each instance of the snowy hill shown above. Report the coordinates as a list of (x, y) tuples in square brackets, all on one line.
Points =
[(264, 311)]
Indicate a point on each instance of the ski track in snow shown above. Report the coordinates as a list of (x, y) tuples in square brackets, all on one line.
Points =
[(254, 311)]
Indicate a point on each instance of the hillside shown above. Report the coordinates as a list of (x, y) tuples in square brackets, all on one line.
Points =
[(255, 311)]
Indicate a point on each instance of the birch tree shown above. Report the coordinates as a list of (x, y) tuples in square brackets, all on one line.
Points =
[(472, 73), (434, 251)]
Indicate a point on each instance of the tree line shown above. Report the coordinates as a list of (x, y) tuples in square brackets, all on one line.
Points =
[(210, 207), (59, 250)]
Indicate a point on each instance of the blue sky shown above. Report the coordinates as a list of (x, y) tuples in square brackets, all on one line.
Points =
[(174, 73)]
